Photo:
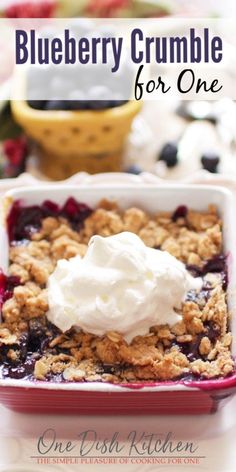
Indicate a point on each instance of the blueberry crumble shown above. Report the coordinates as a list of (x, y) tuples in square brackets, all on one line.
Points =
[(198, 346)]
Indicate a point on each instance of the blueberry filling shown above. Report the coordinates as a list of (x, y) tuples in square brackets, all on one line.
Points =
[(28, 349), (21, 371), (169, 154), (191, 349), (75, 212), (134, 169), (22, 364), (216, 264)]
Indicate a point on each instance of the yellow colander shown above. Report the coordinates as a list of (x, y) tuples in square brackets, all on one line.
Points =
[(73, 141)]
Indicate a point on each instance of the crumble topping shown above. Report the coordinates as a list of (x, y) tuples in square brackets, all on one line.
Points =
[(198, 346)]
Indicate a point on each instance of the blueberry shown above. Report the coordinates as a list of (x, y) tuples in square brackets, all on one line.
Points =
[(37, 104), (169, 154), (117, 103), (56, 105), (37, 333), (75, 212), (216, 264), (134, 169), (23, 222), (99, 104), (23, 370), (191, 349), (210, 162), (180, 212)]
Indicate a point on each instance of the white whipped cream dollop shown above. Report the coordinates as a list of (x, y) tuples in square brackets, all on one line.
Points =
[(119, 285)]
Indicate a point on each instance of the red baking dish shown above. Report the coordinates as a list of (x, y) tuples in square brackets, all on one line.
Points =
[(180, 397)]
